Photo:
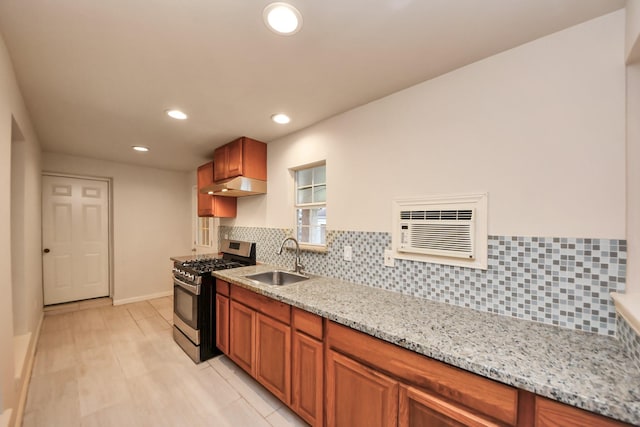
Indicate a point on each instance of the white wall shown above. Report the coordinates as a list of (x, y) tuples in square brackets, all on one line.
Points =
[(25, 233), (632, 39), (540, 127), (633, 178), (28, 303), (151, 220)]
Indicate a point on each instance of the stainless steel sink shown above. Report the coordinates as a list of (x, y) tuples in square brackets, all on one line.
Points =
[(277, 277)]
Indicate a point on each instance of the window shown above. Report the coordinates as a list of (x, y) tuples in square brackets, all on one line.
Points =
[(311, 205)]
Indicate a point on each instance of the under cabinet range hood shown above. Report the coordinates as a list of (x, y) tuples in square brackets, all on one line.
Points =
[(239, 186)]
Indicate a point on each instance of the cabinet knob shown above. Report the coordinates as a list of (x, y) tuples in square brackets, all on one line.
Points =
[(46, 250)]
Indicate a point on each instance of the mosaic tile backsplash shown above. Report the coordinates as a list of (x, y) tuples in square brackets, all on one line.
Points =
[(560, 281), (630, 339)]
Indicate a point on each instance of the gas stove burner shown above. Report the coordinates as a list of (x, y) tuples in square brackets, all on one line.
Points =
[(206, 265)]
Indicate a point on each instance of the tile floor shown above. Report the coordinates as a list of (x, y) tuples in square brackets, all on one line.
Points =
[(118, 366)]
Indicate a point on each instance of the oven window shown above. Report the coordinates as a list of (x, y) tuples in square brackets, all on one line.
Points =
[(185, 306)]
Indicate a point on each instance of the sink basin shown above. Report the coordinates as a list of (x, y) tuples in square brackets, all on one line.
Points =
[(277, 277)]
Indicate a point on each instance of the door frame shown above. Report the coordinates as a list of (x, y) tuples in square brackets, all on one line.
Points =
[(110, 257)]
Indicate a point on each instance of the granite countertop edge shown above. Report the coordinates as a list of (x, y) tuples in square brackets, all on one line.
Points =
[(564, 384)]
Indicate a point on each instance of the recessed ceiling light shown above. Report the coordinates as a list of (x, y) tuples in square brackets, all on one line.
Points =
[(140, 148), (282, 18), (280, 118), (176, 114)]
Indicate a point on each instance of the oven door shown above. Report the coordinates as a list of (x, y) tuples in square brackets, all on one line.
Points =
[(186, 300)]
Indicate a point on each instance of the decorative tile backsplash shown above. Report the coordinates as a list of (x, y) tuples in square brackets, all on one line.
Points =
[(560, 281), (630, 339)]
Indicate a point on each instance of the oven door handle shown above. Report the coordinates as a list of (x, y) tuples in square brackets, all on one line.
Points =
[(193, 289)]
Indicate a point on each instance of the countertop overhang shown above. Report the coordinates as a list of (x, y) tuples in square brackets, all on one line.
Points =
[(581, 369)]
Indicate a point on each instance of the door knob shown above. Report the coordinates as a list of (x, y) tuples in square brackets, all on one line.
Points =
[(47, 250)]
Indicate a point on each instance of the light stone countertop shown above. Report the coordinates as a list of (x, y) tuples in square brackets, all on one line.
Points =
[(585, 370)]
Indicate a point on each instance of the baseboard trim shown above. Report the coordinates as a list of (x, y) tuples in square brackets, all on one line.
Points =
[(142, 298), (18, 415)]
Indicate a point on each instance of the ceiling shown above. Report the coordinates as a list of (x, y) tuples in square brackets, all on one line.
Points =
[(97, 76)]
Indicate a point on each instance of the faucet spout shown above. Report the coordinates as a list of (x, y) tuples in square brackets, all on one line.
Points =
[(298, 267)]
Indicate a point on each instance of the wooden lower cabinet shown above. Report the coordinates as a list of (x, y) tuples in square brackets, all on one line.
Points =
[(549, 413), (273, 356), (307, 378), (242, 336), (259, 338), (419, 408), (358, 396), (334, 376), (222, 323)]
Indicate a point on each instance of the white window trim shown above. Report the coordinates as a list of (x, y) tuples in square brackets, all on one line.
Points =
[(305, 246)]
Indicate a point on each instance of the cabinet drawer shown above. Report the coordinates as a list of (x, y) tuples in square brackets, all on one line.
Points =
[(418, 408), (222, 287), (306, 322), (556, 414), (489, 397), (265, 305)]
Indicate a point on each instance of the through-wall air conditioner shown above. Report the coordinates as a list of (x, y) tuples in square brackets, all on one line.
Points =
[(438, 232), (442, 229)]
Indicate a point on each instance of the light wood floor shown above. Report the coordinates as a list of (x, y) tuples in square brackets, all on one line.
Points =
[(118, 366)]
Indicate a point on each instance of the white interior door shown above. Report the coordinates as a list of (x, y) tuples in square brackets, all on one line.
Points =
[(75, 237)]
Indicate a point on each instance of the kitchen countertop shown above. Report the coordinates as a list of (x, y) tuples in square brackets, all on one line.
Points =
[(585, 370)]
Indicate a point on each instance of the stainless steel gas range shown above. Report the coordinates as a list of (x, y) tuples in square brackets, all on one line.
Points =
[(194, 297)]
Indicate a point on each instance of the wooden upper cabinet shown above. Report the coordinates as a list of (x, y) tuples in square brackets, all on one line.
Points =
[(234, 158), (241, 157), (223, 207)]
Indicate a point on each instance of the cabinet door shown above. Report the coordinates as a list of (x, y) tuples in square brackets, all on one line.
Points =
[(242, 336), (205, 177), (220, 163), (222, 323), (273, 356), (234, 158), (218, 206), (418, 408), (307, 377), (358, 396), (224, 207)]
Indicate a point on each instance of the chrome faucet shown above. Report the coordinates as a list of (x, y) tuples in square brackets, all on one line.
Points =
[(298, 267)]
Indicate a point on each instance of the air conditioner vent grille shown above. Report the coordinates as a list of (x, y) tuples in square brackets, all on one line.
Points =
[(439, 215), (449, 229), (438, 232)]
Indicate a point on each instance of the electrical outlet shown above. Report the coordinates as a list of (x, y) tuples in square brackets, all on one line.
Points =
[(348, 253), (389, 261)]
